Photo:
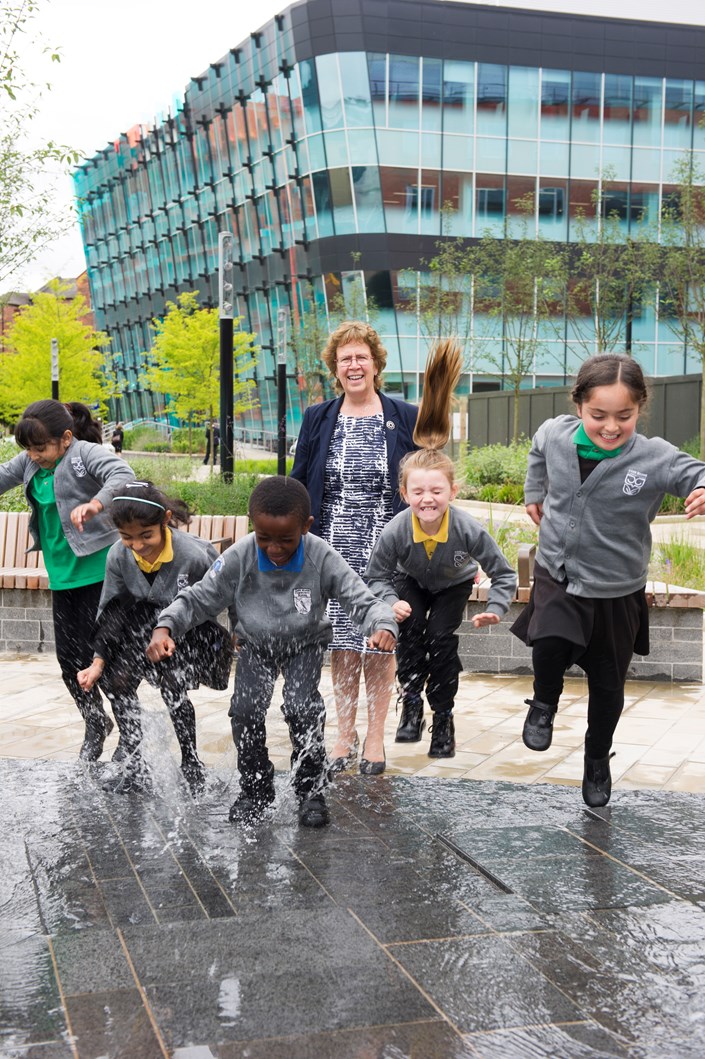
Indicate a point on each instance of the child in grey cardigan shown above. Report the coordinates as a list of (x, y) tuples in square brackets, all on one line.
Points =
[(593, 486), (278, 580)]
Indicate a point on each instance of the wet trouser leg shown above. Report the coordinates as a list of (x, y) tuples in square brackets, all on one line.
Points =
[(120, 685), (305, 713), (551, 657), (254, 685), (74, 612), (412, 646), (445, 615), (181, 711), (606, 675)]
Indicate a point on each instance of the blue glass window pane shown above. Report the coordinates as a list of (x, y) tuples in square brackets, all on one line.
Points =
[(400, 198), (309, 97), (491, 99), (647, 111), (457, 199), (377, 69), (491, 154), (617, 109), (646, 164), (581, 208), (584, 161), (678, 114), (431, 94), (489, 204), (368, 198), (699, 115), (555, 104), (554, 158), (403, 92), (398, 148), (363, 146), (341, 198), (586, 96), (428, 194), (523, 110), (552, 210), (458, 96), (316, 152), (329, 91), (324, 214), (522, 156), (356, 89), (336, 149), (458, 152), (616, 162), (431, 150)]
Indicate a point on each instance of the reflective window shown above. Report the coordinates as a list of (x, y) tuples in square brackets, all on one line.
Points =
[(458, 96), (647, 110), (678, 113), (342, 201), (617, 109), (491, 99), (554, 158), (400, 202), (586, 103), (457, 192), (324, 214), (368, 198), (552, 210), (329, 91), (523, 110), (377, 70), (699, 116), (582, 208), (356, 89), (398, 148), (431, 94), (309, 97), (403, 92), (555, 104), (489, 204), (521, 206)]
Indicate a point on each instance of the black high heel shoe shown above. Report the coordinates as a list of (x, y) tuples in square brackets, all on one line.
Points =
[(340, 764), (372, 768)]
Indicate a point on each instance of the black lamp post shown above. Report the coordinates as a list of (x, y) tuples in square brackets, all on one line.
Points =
[(225, 312), (282, 328)]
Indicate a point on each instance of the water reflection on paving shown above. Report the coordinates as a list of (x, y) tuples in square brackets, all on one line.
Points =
[(434, 918)]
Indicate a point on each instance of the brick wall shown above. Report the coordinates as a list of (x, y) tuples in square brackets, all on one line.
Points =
[(676, 646)]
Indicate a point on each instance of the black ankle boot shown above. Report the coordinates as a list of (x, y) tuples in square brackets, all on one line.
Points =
[(442, 736), (411, 723), (538, 726), (597, 781), (98, 728), (250, 804)]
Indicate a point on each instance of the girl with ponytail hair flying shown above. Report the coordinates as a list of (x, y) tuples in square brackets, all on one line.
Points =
[(425, 561)]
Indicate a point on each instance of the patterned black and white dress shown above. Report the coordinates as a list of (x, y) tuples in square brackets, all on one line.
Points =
[(356, 506)]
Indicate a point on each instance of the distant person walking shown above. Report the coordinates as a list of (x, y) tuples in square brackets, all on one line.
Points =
[(212, 430), (118, 438)]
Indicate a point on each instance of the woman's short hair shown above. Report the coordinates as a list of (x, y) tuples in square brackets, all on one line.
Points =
[(354, 331)]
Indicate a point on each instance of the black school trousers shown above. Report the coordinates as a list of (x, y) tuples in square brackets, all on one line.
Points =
[(74, 612)]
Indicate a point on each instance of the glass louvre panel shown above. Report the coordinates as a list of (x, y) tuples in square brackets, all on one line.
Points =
[(523, 109), (403, 92), (491, 99), (356, 90), (647, 111)]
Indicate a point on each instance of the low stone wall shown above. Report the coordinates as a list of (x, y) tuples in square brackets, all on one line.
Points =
[(676, 640), (26, 622)]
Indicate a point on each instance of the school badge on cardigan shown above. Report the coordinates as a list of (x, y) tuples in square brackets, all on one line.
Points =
[(633, 482), (181, 581), (302, 600), (459, 559), (79, 467)]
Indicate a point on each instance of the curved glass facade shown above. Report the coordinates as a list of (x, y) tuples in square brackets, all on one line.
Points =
[(339, 170)]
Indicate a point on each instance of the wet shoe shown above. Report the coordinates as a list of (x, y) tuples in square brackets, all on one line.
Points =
[(98, 729), (442, 736), (411, 723), (313, 811), (372, 768), (194, 772), (247, 808), (538, 726), (597, 781), (133, 780), (340, 764)]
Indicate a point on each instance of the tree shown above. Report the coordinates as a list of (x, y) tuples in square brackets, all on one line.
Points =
[(25, 373), (308, 336), (29, 219), (445, 293), (682, 271), (185, 360)]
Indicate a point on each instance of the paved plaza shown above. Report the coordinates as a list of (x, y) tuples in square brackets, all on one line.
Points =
[(461, 908)]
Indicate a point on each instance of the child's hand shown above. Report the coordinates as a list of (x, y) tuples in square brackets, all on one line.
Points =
[(161, 645), (88, 677), (84, 513), (535, 513), (382, 640), (695, 503), (236, 643), (402, 610), (484, 619)]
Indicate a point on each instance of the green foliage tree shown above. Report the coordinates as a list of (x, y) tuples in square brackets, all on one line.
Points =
[(25, 364), (682, 265), (444, 297), (185, 362), (29, 218), (308, 336)]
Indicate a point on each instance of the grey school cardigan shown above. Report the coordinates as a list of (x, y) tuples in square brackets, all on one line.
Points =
[(85, 472), (595, 534), (452, 562), (279, 608)]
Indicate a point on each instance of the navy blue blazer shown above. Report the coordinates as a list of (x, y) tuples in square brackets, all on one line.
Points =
[(314, 440)]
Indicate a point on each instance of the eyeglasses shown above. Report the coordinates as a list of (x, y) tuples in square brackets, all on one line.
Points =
[(362, 360)]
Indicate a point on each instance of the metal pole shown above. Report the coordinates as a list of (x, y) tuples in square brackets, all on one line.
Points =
[(55, 369), (225, 311), (282, 322)]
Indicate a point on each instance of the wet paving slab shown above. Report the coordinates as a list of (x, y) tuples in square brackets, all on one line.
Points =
[(433, 918)]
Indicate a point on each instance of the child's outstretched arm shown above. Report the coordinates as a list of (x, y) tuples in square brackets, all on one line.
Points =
[(161, 645), (382, 640), (695, 503), (85, 512), (88, 677)]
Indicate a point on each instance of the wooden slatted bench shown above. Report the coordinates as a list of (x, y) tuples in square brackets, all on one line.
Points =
[(20, 568)]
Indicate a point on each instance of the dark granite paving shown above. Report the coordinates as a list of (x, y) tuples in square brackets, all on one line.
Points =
[(433, 918)]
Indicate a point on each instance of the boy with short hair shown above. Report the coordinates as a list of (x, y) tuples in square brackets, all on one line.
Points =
[(279, 579)]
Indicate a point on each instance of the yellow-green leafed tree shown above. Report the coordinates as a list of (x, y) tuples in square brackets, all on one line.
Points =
[(25, 363), (185, 360)]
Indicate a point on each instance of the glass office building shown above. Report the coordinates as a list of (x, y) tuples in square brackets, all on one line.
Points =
[(329, 143)]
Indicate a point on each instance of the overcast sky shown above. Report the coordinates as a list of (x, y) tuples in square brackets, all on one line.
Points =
[(124, 64)]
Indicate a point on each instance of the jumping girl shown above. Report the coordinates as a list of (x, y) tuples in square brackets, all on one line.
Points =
[(593, 485), (145, 570), (68, 480), (424, 564)]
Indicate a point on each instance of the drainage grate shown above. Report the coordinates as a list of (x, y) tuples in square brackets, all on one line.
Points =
[(451, 845)]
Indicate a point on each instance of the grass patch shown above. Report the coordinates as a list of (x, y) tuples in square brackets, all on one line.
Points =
[(678, 562)]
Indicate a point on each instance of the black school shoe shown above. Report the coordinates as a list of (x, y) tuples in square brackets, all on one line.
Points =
[(194, 772), (313, 811), (249, 807), (98, 728), (442, 736), (411, 723), (538, 726), (134, 779), (597, 781)]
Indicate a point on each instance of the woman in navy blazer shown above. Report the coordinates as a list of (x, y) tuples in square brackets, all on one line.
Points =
[(347, 455)]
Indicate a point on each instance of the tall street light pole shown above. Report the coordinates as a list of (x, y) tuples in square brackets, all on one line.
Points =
[(282, 328), (225, 313), (55, 369)]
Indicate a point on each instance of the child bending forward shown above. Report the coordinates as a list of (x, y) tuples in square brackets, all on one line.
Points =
[(278, 579)]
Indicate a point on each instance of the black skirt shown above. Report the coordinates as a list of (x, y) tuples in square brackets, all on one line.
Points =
[(621, 622), (124, 629)]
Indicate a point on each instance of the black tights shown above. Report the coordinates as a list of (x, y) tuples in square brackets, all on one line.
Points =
[(552, 656)]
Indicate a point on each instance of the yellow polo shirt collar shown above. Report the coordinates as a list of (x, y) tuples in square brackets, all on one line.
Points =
[(165, 556), (430, 541)]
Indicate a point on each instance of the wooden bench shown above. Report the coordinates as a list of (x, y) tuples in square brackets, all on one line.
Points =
[(20, 568)]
